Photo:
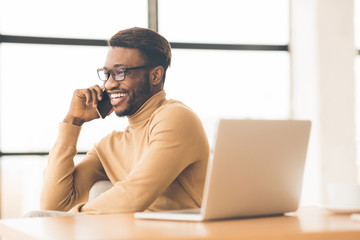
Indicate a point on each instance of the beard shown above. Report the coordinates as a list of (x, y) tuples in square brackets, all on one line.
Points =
[(137, 98)]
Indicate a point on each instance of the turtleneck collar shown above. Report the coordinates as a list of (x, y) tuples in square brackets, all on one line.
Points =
[(147, 109)]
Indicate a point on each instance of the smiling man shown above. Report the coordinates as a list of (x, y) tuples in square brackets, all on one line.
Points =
[(158, 162)]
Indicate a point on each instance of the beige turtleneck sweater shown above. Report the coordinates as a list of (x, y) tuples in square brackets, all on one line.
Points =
[(158, 163)]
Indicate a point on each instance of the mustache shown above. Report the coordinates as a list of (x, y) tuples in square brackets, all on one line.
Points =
[(123, 90)]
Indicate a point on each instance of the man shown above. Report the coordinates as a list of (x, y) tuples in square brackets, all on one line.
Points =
[(159, 162)]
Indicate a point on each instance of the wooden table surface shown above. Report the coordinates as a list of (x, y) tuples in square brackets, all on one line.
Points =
[(307, 223)]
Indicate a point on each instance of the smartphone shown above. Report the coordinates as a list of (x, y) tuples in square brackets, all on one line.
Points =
[(104, 106)]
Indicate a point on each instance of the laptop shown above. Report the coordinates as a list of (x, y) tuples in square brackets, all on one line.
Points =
[(256, 170)]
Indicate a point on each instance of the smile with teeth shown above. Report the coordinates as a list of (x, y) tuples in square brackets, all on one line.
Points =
[(116, 98), (117, 95)]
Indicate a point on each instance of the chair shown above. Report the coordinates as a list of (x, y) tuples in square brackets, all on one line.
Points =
[(98, 188)]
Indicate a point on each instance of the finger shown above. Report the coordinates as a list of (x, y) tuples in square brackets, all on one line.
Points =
[(94, 97), (99, 91), (87, 94)]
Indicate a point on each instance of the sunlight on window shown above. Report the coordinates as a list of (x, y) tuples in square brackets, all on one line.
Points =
[(226, 21), (357, 23), (68, 18), (230, 84), (357, 112), (26, 173), (357, 75), (36, 93)]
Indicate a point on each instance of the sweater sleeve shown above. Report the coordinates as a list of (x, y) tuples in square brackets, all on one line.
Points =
[(176, 140), (65, 184)]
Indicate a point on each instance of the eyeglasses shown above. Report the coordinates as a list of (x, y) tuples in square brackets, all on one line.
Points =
[(118, 73)]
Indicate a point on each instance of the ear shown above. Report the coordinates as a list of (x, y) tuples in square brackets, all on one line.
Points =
[(156, 75)]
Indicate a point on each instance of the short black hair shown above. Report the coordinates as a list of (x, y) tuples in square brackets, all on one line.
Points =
[(154, 47)]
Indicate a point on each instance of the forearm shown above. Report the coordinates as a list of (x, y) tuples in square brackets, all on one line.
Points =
[(123, 197), (58, 187)]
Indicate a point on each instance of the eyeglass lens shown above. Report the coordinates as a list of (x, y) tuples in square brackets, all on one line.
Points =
[(117, 73)]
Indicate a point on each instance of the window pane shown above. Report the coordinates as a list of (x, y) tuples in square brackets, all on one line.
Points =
[(26, 174), (230, 84), (37, 83), (357, 24), (68, 18), (227, 21), (21, 179), (357, 112)]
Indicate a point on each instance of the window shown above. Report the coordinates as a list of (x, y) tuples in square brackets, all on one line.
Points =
[(228, 21), (72, 19), (228, 83)]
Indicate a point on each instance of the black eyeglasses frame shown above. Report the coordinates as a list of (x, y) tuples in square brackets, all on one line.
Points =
[(122, 71)]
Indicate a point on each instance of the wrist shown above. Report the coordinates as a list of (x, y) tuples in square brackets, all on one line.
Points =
[(74, 121)]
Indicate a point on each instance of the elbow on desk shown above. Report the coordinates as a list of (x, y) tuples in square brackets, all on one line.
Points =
[(50, 204)]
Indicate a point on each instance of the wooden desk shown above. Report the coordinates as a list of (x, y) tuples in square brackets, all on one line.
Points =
[(307, 223)]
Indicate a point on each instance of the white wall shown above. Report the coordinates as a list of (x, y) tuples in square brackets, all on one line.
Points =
[(322, 48)]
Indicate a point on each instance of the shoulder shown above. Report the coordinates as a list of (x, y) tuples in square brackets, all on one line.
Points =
[(110, 138), (175, 125), (175, 121), (175, 113)]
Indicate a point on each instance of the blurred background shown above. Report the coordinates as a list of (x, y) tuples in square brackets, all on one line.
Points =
[(260, 59)]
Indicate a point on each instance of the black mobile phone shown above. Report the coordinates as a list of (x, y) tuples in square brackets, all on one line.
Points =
[(104, 106)]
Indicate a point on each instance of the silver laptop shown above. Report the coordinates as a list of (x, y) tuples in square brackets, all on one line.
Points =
[(256, 170)]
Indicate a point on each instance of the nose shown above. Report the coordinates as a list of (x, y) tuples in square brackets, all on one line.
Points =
[(111, 83)]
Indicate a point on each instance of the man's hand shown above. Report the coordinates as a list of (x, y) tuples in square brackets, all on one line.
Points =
[(83, 105)]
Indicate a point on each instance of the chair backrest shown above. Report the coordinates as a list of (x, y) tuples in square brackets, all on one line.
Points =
[(98, 188)]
